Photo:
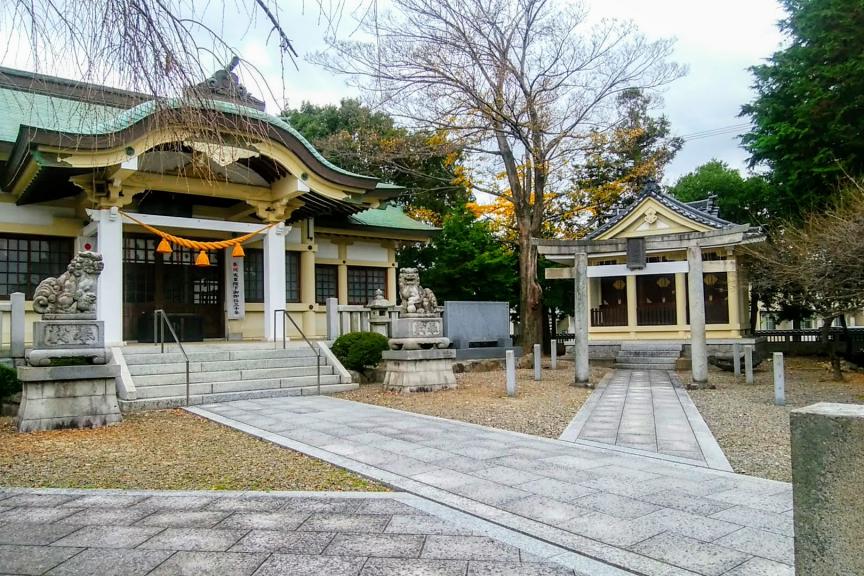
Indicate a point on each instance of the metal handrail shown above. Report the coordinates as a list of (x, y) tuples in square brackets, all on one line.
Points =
[(161, 313), (296, 327)]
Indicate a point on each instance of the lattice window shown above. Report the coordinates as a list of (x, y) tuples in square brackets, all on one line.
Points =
[(326, 283), (253, 275), (27, 260), (363, 281), (292, 277)]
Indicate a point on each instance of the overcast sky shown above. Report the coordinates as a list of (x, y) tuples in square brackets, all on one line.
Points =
[(718, 41)]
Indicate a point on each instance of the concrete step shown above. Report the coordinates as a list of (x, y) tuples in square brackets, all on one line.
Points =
[(621, 359), (650, 353), (215, 355), (179, 390), (624, 366), (651, 346), (222, 365), (227, 375), (158, 403)]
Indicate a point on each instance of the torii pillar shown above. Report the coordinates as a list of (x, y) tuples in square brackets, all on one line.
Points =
[(581, 317), (581, 320)]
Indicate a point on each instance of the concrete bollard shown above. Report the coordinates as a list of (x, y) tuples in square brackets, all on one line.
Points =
[(511, 372), (538, 359), (748, 363), (736, 358), (779, 380), (827, 476), (554, 355), (16, 329)]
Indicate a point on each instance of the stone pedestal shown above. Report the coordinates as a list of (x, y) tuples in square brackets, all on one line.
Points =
[(419, 370), (68, 397), (68, 336), (418, 332), (827, 479)]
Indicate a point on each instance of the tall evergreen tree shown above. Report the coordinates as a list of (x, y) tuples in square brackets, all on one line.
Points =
[(367, 142), (808, 114), (741, 200)]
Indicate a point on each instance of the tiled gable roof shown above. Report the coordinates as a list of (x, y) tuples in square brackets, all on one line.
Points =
[(702, 211)]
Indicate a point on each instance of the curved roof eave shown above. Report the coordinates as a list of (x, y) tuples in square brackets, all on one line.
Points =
[(137, 121)]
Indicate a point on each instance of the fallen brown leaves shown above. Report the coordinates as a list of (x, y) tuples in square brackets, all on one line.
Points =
[(541, 408), (753, 432), (163, 450)]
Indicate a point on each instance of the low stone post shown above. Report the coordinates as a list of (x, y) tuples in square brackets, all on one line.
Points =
[(748, 363), (736, 358), (554, 354), (510, 361), (538, 358), (16, 329), (827, 476), (779, 380), (332, 318)]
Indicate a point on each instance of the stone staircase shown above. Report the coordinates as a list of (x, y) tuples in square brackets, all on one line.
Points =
[(648, 355), (224, 372)]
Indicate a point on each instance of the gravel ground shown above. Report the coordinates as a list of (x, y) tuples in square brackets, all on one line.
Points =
[(541, 408), (164, 450), (753, 432)]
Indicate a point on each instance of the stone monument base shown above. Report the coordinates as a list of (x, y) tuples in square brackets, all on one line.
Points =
[(419, 370), (68, 397)]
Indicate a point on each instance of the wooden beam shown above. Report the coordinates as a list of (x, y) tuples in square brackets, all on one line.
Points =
[(199, 187)]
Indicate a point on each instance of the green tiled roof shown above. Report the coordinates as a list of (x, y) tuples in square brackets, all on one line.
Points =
[(49, 112), (390, 216), (53, 113)]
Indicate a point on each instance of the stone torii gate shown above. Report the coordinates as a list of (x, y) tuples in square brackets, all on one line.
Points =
[(576, 253)]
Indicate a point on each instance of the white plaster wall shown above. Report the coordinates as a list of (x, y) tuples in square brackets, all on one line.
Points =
[(293, 236), (327, 249), (33, 215), (367, 252)]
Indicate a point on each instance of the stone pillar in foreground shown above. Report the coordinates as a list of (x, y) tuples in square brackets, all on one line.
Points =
[(827, 481), (581, 321), (696, 295)]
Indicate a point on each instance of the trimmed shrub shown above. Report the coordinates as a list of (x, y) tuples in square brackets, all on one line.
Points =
[(360, 350), (9, 383)]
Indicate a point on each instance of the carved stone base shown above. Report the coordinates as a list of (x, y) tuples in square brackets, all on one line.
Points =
[(418, 343), (419, 370), (68, 336), (68, 397)]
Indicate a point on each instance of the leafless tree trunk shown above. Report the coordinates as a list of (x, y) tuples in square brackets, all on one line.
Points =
[(517, 84), (820, 263)]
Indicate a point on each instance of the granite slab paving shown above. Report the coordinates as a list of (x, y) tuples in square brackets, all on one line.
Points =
[(646, 411), (128, 533), (603, 510)]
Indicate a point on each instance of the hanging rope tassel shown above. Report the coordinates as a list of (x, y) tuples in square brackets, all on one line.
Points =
[(202, 259), (238, 251)]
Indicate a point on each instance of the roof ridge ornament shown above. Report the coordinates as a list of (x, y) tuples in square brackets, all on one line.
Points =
[(224, 84)]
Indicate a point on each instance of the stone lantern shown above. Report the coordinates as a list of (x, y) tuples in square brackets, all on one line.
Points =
[(379, 314)]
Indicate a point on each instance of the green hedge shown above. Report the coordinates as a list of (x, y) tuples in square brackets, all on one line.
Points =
[(9, 383), (360, 350)]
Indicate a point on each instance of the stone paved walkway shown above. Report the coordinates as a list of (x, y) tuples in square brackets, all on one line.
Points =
[(126, 533), (608, 512), (646, 410)]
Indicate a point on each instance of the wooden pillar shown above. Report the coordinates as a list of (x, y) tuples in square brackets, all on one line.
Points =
[(681, 299), (631, 303), (342, 274), (733, 291), (307, 289)]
